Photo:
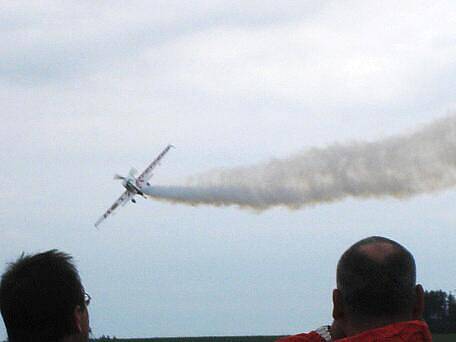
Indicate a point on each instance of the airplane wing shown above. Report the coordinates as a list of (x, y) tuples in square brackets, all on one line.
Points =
[(145, 176), (123, 199)]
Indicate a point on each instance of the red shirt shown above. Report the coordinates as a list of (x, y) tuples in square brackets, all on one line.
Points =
[(411, 331)]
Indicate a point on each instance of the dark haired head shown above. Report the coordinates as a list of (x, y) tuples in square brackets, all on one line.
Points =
[(377, 278), (38, 297)]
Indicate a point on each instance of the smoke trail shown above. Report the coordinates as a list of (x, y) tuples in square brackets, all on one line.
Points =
[(400, 166)]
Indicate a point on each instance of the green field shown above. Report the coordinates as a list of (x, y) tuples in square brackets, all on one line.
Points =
[(444, 338), (436, 338), (196, 339)]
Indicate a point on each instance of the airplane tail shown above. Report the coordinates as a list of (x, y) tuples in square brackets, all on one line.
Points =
[(132, 172)]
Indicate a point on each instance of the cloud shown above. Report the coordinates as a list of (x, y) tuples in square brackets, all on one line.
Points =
[(54, 42), (291, 51), (341, 55), (115, 77)]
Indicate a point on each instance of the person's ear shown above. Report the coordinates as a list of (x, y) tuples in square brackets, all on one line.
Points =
[(418, 309), (78, 314), (338, 305)]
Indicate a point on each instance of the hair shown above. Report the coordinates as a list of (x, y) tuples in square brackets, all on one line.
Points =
[(377, 287), (38, 296)]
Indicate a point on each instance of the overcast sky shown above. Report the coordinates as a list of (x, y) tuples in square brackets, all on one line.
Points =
[(89, 89)]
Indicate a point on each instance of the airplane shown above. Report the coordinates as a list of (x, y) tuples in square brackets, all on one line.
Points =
[(133, 186)]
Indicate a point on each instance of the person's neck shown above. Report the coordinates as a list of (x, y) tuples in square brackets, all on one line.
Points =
[(360, 327), (73, 338)]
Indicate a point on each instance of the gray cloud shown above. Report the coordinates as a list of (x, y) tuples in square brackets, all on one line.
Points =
[(66, 41)]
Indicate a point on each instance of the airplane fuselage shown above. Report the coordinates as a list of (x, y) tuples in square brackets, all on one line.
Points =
[(130, 185), (133, 186)]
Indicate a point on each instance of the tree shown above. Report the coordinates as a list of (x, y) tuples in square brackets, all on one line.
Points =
[(440, 311)]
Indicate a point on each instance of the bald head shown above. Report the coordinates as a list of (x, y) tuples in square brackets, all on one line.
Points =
[(376, 277), (378, 251)]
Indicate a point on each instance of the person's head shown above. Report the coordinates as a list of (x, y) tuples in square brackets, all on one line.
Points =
[(42, 299), (376, 285)]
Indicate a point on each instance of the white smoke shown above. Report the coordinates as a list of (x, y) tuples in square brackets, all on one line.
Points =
[(400, 166)]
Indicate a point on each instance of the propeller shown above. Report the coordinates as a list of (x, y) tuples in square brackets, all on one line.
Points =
[(131, 174)]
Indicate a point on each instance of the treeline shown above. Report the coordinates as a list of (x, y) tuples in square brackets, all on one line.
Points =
[(440, 311), (103, 338)]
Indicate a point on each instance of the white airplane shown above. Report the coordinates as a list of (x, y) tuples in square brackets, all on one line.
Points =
[(133, 185)]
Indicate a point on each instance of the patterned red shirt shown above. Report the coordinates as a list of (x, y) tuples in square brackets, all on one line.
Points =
[(411, 331)]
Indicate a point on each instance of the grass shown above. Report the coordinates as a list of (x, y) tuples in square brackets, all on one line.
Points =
[(197, 339), (436, 338), (444, 338)]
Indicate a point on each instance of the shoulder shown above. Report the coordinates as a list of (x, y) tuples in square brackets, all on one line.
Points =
[(401, 331), (310, 337)]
